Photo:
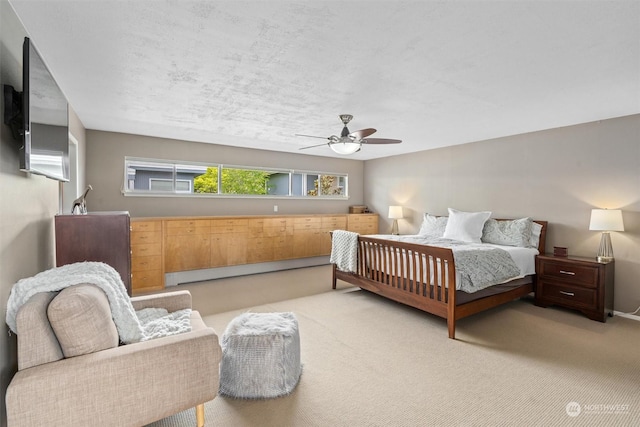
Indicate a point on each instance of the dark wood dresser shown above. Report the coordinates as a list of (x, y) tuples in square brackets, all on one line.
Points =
[(579, 283), (97, 236)]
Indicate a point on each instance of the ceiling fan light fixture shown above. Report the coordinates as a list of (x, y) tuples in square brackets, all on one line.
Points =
[(345, 146), (350, 142)]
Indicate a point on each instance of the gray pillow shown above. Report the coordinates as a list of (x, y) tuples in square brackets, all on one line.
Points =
[(515, 232), (81, 319), (433, 226)]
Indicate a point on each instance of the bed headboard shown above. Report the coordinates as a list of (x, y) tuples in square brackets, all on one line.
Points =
[(543, 236)]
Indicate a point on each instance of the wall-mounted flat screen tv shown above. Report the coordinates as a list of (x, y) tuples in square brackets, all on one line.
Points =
[(45, 149)]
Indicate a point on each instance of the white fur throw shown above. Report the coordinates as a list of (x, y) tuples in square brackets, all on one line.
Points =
[(344, 250), (132, 326)]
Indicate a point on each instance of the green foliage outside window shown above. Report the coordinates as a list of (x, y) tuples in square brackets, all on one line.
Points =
[(207, 182), (234, 181)]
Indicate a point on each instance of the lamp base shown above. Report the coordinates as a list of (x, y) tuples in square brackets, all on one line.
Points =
[(605, 251), (394, 228)]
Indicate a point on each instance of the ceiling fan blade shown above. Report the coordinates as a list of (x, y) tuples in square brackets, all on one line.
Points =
[(313, 146), (362, 133), (381, 141), (311, 136)]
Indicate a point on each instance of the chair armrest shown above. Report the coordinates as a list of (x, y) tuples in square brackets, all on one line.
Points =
[(130, 385), (171, 301)]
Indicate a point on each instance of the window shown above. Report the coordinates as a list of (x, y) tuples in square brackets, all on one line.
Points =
[(157, 184), (148, 176), (326, 185)]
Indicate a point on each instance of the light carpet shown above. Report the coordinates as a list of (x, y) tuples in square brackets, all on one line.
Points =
[(372, 362)]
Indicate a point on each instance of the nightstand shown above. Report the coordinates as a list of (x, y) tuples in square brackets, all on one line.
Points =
[(579, 283)]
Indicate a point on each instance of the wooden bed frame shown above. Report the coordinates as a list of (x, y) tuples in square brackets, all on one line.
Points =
[(400, 287)]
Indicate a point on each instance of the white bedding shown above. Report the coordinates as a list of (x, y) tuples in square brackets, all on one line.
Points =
[(525, 258)]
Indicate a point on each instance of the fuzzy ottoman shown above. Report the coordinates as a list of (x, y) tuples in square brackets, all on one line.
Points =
[(260, 356)]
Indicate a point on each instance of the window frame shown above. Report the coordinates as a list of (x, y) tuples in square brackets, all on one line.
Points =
[(130, 164)]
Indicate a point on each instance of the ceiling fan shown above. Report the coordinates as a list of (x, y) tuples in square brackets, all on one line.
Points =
[(350, 142)]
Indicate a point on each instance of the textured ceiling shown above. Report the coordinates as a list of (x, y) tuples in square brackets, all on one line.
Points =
[(254, 73)]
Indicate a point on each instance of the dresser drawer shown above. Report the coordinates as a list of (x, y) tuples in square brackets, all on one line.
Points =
[(187, 227), (146, 226), (145, 237), (222, 229), (278, 222), (235, 222), (310, 223), (567, 295), (146, 263), (334, 223), (578, 274), (146, 249), (362, 219), (230, 225), (188, 231), (149, 279), (364, 229), (187, 223)]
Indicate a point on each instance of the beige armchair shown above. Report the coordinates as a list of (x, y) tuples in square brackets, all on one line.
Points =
[(72, 372)]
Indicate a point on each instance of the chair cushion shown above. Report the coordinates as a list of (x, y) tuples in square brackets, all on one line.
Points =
[(37, 343), (81, 319)]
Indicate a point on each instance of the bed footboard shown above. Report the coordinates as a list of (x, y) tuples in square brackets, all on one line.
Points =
[(423, 277), (420, 276)]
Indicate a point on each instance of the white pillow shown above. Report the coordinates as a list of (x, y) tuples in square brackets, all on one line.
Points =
[(432, 226), (465, 226)]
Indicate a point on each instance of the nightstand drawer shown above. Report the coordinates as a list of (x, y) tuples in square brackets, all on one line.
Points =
[(579, 274), (567, 295)]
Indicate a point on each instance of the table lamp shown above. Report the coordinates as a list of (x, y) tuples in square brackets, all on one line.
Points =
[(395, 213), (606, 220)]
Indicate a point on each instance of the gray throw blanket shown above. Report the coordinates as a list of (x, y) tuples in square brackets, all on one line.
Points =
[(133, 326)]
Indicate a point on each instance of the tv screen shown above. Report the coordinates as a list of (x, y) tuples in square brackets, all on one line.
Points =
[(46, 120)]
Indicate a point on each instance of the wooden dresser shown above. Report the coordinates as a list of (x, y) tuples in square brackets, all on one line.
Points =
[(146, 256), (97, 236), (178, 244), (363, 223), (579, 283)]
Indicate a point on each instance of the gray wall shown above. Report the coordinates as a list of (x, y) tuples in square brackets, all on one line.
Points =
[(28, 203), (105, 172), (557, 175)]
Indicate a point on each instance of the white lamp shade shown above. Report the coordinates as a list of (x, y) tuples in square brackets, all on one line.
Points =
[(395, 212), (606, 220)]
